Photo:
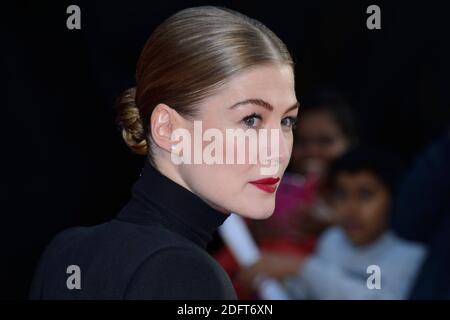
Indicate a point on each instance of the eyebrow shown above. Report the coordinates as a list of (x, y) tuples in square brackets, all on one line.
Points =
[(262, 103)]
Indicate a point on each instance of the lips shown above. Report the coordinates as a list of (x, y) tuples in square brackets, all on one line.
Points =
[(267, 184)]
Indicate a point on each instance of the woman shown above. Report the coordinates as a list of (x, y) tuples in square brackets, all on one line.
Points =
[(209, 66)]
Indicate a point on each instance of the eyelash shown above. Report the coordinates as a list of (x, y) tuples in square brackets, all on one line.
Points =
[(293, 120), (251, 116)]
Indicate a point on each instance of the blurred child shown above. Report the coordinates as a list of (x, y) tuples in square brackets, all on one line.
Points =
[(363, 183)]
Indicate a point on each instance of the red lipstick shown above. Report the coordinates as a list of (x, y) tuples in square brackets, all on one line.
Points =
[(266, 184)]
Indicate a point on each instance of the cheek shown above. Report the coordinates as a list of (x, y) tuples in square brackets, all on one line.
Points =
[(331, 151), (227, 182), (336, 149), (374, 212), (340, 211)]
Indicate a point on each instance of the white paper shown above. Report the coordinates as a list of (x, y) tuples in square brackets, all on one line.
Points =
[(238, 239)]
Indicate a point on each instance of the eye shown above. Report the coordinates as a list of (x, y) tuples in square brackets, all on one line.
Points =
[(252, 120), (340, 195), (325, 141), (366, 194), (289, 122)]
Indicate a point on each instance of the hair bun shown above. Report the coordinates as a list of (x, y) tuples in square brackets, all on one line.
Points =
[(130, 122)]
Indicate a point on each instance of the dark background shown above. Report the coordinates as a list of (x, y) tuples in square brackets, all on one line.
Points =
[(64, 160)]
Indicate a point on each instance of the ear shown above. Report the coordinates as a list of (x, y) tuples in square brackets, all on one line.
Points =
[(163, 121)]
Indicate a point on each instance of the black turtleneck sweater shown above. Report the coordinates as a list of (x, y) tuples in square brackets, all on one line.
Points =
[(154, 249)]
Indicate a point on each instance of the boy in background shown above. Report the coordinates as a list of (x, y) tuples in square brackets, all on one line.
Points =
[(363, 183)]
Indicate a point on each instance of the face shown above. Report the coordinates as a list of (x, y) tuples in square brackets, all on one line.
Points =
[(259, 98), (361, 201), (318, 141)]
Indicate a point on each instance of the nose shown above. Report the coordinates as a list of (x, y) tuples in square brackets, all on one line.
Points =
[(350, 209), (278, 147), (285, 148), (313, 150)]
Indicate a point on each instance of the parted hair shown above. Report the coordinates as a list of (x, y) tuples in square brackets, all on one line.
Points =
[(186, 59)]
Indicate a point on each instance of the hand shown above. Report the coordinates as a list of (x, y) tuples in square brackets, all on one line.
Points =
[(273, 265)]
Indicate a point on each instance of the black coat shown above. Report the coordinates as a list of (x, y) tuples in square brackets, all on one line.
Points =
[(153, 249)]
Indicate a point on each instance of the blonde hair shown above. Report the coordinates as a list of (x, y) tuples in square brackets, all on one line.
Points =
[(190, 55)]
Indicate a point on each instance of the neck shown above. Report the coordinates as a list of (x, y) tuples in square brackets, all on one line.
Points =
[(165, 166), (171, 171)]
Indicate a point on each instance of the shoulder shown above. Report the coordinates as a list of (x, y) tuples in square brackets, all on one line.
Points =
[(114, 238), (179, 272), (64, 238), (330, 239), (406, 250), (51, 257)]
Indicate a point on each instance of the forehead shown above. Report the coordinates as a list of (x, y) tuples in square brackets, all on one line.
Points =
[(272, 83), (317, 121)]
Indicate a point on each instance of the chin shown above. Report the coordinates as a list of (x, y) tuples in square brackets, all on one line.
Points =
[(359, 241), (261, 213)]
